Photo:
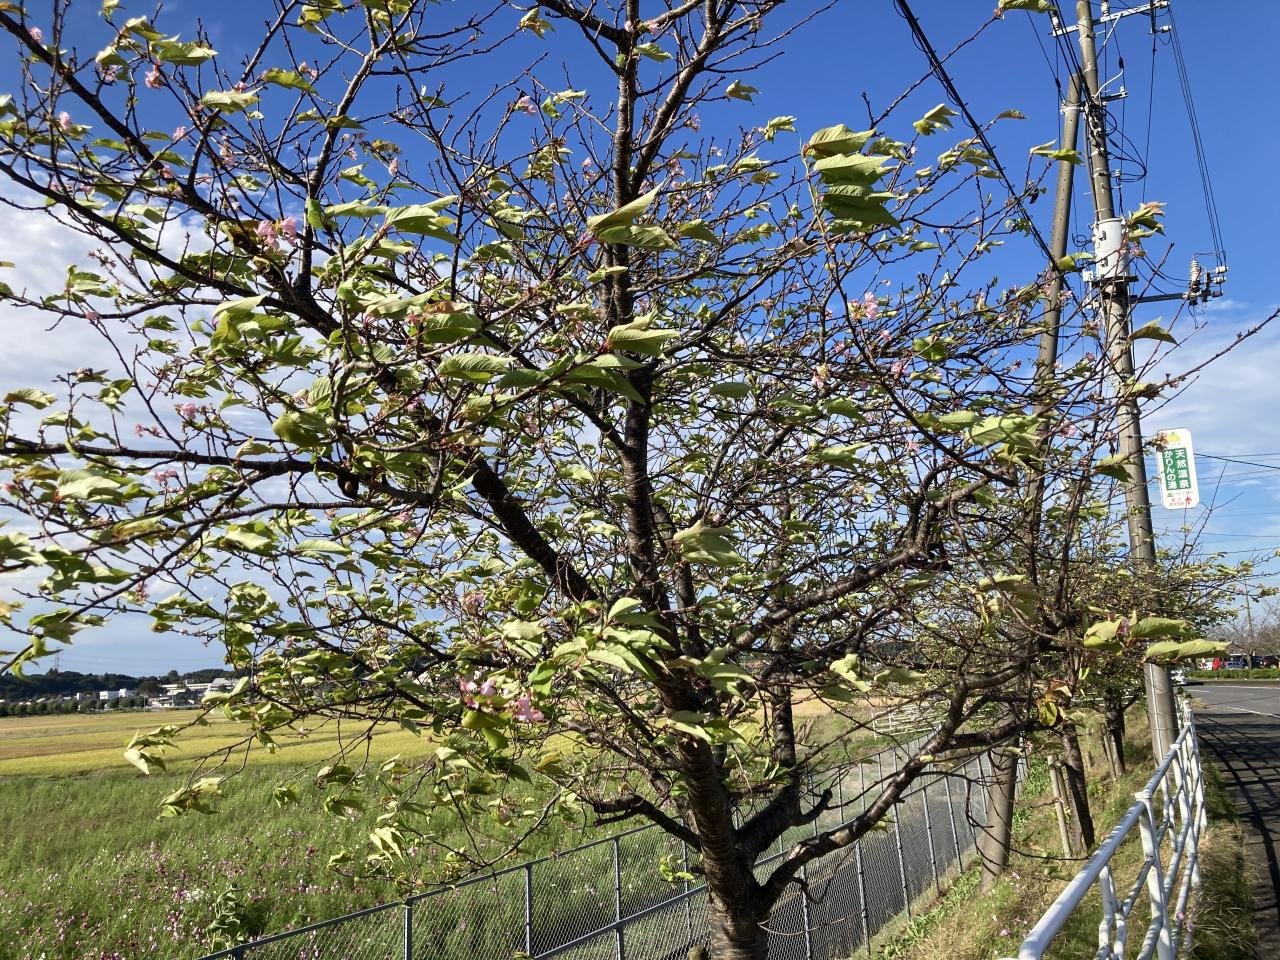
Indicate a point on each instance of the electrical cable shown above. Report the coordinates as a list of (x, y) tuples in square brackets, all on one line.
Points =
[(939, 71), (1206, 181)]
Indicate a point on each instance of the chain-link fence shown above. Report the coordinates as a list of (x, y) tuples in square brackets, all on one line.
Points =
[(605, 900)]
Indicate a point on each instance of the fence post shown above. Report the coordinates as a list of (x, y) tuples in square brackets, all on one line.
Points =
[(897, 842), (951, 816), (688, 900), (928, 831), (804, 911), (617, 898), (408, 930), (528, 909), (862, 877), (1155, 879)]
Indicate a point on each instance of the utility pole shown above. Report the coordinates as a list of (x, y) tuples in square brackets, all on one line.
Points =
[(1111, 265), (995, 842)]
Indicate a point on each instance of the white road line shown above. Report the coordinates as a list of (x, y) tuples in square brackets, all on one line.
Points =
[(1213, 685), (1223, 706)]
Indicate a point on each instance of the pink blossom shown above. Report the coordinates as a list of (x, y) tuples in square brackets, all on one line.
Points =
[(64, 120), (913, 445), (164, 476), (525, 711), (526, 104), (92, 315), (487, 689), (188, 411), (393, 168), (289, 228), (109, 73), (36, 34), (154, 78), (266, 231), (473, 601), (899, 368), (870, 307), (179, 132), (588, 163), (652, 26)]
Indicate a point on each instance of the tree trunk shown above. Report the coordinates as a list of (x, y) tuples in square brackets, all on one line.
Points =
[(737, 932), (995, 840), (1077, 788), (1113, 714)]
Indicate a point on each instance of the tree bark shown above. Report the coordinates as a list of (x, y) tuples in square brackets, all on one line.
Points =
[(737, 933), (1077, 788), (996, 838), (1113, 714)]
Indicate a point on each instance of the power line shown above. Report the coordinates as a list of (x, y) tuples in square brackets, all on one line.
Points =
[(1206, 181), (939, 71)]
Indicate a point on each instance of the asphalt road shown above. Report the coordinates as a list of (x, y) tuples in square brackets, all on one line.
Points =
[(1239, 727)]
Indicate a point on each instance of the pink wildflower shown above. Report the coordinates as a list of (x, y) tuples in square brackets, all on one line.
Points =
[(527, 105), (154, 78), (36, 34)]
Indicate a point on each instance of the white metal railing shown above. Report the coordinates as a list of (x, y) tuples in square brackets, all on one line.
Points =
[(1168, 816)]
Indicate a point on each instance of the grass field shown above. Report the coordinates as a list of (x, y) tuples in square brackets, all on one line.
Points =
[(88, 871)]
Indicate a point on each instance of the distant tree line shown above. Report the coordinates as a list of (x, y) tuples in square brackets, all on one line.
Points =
[(67, 683)]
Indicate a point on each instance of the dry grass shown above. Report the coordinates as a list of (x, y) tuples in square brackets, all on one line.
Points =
[(74, 745), (966, 924)]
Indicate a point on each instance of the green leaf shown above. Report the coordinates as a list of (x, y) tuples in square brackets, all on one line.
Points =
[(1114, 466), (287, 78), (837, 140), (473, 367), (1150, 628), (652, 51), (939, 118), (1031, 6), (29, 396), (229, 101), (1153, 331), (736, 389), (1171, 651), (638, 339), (315, 545), (740, 91), (707, 545), (697, 230)]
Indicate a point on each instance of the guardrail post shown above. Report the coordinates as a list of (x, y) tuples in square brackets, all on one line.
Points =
[(928, 832), (528, 909), (408, 930), (617, 899), (1155, 879)]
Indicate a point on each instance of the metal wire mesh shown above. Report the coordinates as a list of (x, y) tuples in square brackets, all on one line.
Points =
[(481, 921), (608, 900), (373, 935)]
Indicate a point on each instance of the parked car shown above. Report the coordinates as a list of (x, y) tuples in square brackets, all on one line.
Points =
[(1237, 663)]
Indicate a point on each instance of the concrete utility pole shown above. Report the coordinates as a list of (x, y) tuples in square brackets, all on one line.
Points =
[(1111, 266), (995, 842)]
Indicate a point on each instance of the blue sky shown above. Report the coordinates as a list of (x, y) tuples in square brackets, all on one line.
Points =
[(862, 46)]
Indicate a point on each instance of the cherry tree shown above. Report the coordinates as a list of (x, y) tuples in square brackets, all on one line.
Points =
[(499, 373)]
